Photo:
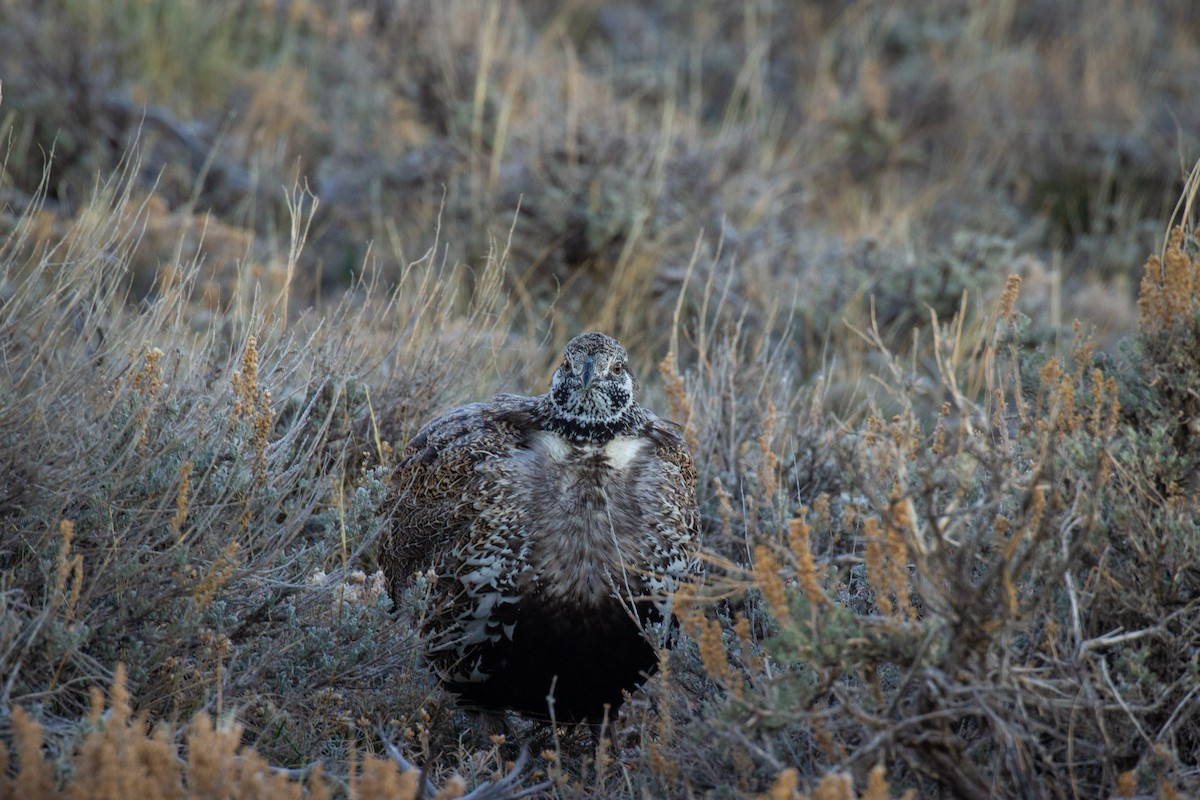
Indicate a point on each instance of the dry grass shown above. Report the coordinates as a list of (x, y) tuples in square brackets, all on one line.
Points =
[(951, 537)]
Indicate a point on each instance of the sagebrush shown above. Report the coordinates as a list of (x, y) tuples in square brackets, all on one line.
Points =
[(950, 536)]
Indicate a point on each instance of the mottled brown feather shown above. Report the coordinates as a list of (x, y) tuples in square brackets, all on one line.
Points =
[(557, 526)]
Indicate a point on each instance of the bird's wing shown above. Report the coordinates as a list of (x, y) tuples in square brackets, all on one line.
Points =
[(672, 487), (433, 486)]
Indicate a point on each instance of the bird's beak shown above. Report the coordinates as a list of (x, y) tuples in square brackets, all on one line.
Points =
[(588, 367)]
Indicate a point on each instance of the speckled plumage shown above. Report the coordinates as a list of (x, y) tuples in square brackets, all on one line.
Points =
[(558, 526)]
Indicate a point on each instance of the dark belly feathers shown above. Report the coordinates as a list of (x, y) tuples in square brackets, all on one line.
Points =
[(584, 658)]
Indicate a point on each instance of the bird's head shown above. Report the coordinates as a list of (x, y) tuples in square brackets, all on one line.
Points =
[(592, 390)]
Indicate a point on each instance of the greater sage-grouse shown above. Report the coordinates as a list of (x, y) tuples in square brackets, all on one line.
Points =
[(557, 527)]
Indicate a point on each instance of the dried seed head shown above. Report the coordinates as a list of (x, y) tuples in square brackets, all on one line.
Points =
[(181, 499), (806, 569), (1008, 300), (712, 652), (876, 576), (769, 582), (784, 787)]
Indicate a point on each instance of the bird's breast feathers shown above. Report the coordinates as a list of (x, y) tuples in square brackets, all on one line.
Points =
[(617, 454), (587, 529)]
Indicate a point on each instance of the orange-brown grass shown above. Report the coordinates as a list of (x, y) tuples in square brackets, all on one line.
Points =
[(120, 757)]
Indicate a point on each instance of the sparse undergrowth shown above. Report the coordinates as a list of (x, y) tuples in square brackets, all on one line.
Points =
[(999, 598), (951, 541)]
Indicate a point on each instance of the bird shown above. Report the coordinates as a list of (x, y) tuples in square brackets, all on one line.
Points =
[(557, 528)]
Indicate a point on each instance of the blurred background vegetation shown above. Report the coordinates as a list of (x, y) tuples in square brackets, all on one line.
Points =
[(248, 247), (821, 153)]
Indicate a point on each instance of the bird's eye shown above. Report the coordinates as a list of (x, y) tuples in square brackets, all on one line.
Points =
[(617, 368)]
